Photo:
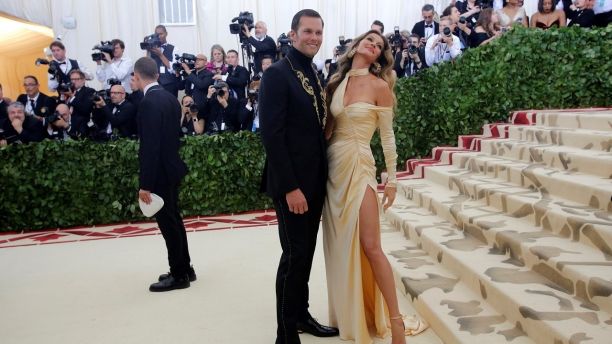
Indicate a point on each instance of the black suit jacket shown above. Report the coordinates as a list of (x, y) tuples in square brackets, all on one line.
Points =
[(237, 80), (419, 28), (266, 47), (3, 111), (214, 115), (291, 134), (196, 85), (33, 131), (45, 105), (82, 104), (124, 118), (159, 116)]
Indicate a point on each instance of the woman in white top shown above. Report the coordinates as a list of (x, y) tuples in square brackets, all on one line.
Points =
[(513, 12)]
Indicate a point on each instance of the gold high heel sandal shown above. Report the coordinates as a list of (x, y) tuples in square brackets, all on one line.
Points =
[(415, 326)]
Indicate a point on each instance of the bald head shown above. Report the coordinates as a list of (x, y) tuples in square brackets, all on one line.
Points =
[(117, 94)]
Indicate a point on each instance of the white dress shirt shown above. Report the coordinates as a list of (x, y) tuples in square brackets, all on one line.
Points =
[(66, 66), (119, 69), (442, 52)]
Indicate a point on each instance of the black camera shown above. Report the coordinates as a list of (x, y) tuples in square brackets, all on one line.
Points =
[(236, 27), (103, 47), (219, 91), (113, 81), (53, 117), (65, 87), (188, 59), (284, 43), (396, 40), (484, 4), (447, 32), (253, 95), (342, 45), (193, 109), (150, 42), (100, 95), (462, 20), (413, 49), (54, 68)]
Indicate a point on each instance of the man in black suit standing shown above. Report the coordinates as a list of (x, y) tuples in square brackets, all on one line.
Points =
[(36, 103), (237, 77), (264, 45), (426, 27), (163, 57), (161, 170), (293, 114)]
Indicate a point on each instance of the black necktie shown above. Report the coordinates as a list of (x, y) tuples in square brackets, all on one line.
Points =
[(32, 104), (62, 63)]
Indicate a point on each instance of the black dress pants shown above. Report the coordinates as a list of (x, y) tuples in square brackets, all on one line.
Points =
[(173, 230), (298, 237)]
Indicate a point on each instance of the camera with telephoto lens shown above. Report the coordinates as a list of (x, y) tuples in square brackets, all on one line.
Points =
[(236, 27), (342, 45), (113, 81), (447, 32), (413, 49), (64, 87), (53, 117), (284, 43), (253, 95), (101, 95), (150, 42), (396, 40), (103, 47), (462, 20), (219, 91), (54, 68), (188, 59)]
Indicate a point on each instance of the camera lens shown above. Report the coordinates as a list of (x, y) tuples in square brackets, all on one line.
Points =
[(447, 32)]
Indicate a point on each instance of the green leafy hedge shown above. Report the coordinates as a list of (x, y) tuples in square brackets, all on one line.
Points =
[(60, 184), (54, 184), (524, 69)]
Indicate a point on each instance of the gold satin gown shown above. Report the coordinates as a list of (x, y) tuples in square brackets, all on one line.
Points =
[(355, 301)]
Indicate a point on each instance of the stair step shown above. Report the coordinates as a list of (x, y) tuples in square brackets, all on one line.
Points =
[(559, 157), (577, 138), (575, 119), (545, 311), (577, 187), (584, 266), (454, 312)]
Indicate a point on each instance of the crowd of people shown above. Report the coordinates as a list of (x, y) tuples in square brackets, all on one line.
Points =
[(221, 95)]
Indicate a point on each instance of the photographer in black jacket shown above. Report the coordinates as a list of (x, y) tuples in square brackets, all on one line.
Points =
[(237, 77), (220, 110), (118, 117), (263, 44), (411, 59), (198, 80), (20, 128)]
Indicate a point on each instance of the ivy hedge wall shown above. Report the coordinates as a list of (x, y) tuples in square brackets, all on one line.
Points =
[(62, 184)]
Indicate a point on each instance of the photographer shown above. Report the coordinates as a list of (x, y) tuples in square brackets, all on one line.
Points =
[(120, 114), (237, 77), (427, 27), (191, 123), (118, 67), (249, 110), (37, 104), (442, 47), (163, 56), (410, 60), (470, 10), (263, 44), (487, 28), (61, 66), (459, 26), (4, 102), (198, 80), (220, 110), (20, 128), (80, 100), (60, 125)]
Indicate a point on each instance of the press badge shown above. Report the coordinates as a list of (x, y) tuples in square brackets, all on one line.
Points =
[(162, 69), (222, 126)]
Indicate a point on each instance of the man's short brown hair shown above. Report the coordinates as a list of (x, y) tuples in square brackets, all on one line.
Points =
[(146, 67)]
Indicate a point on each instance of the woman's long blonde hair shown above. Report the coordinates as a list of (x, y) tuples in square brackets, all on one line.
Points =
[(385, 60)]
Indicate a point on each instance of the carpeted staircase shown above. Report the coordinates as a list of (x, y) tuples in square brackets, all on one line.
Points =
[(508, 237)]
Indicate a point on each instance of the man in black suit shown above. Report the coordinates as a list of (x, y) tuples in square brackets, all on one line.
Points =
[(163, 57), (220, 111), (36, 103), (4, 102), (80, 100), (19, 128), (237, 77), (161, 170), (198, 80), (295, 172), (119, 115), (264, 45), (426, 27)]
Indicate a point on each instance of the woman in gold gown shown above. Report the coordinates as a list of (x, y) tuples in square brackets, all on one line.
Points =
[(361, 286)]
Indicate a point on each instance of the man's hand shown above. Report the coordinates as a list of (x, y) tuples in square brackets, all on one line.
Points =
[(186, 68), (145, 196), (156, 51), (100, 103), (404, 54), (17, 124), (107, 57), (211, 91), (297, 202), (423, 40), (246, 30)]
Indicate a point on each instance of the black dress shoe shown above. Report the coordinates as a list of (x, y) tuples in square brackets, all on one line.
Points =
[(311, 326), (170, 283), (190, 273)]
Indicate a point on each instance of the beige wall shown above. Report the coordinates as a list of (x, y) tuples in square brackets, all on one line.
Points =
[(12, 71)]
